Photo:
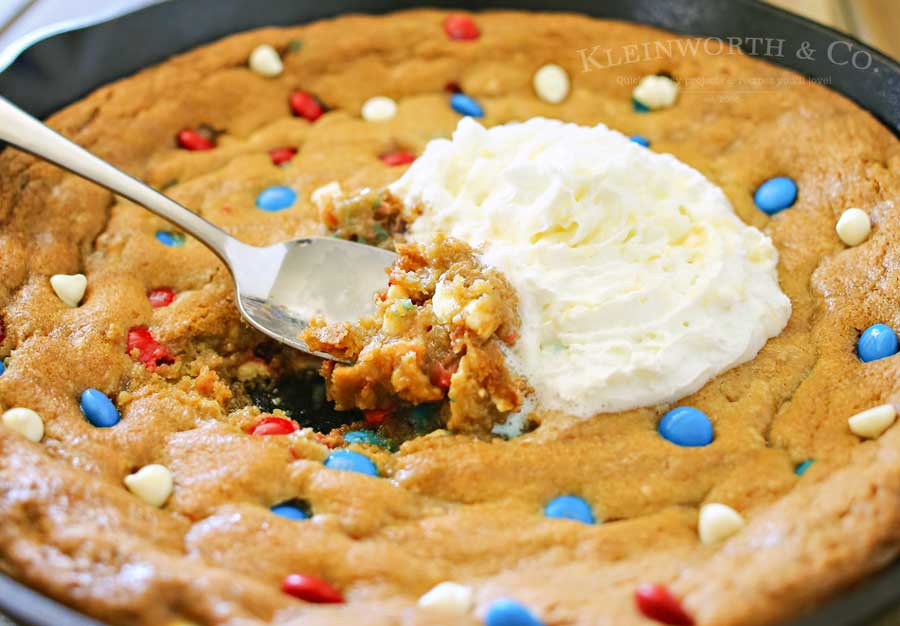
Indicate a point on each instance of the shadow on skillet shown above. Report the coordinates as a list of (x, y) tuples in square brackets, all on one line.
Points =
[(50, 73)]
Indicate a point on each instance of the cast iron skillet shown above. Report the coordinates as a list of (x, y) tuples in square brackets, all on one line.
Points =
[(54, 71)]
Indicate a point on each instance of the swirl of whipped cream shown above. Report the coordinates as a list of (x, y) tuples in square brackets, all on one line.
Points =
[(637, 281)]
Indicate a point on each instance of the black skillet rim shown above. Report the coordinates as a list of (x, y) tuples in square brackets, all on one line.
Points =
[(877, 91)]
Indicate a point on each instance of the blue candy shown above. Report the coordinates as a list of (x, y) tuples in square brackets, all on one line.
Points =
[(350, 461), (638, 107), (570, 507), (366, 436), (801, 469), (508, 612), (464, 105), (276, 198), (776, 194), (2, 368), (173, 240), (423, 418), (98, 409), (290, 510), (686, 426), (640, 140), (876, 342)]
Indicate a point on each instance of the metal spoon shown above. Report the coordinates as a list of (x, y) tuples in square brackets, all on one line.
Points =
[(279, 288)]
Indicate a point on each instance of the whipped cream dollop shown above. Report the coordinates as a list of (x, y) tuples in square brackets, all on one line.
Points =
[(637, 282)]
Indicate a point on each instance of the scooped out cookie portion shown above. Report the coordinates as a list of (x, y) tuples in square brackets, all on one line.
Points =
[(438, 335)]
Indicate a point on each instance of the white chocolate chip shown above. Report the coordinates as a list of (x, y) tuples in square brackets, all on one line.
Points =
[(444, 302), (252, 369), (25, 422), (326, 193), (69, 287), (264, 60), (152, 484), (656, 92), (379, 109), (448, 598), (718, 522), (853, 226), (551, 83), (480, 315), (396, 292), (871, 423)]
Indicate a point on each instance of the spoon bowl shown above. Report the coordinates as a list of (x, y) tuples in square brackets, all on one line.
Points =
[(279, 288)]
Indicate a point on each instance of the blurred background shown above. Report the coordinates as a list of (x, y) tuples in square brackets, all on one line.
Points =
[(877, 22)]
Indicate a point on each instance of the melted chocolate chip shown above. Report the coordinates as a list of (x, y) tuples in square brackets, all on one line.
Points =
[(302, 398), (267, 350)]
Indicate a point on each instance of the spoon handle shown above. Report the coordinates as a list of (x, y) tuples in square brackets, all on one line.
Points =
[(26, 133)]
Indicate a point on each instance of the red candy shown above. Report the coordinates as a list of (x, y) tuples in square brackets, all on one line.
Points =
[(440, 376), (152, 353), (274, 426), (282, 155), (375, 417), (311, 589), (190, 139), (305, 105), (160, 297), (398, 158), (2, 330), (657, 603), (461, 27)]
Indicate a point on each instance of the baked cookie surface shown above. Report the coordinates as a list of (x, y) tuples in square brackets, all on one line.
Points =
[(442, 507)]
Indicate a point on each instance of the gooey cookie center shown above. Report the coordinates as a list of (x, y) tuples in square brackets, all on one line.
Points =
[(637, 281)]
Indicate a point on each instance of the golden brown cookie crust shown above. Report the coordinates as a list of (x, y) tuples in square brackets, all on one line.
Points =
[(449, 507)]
